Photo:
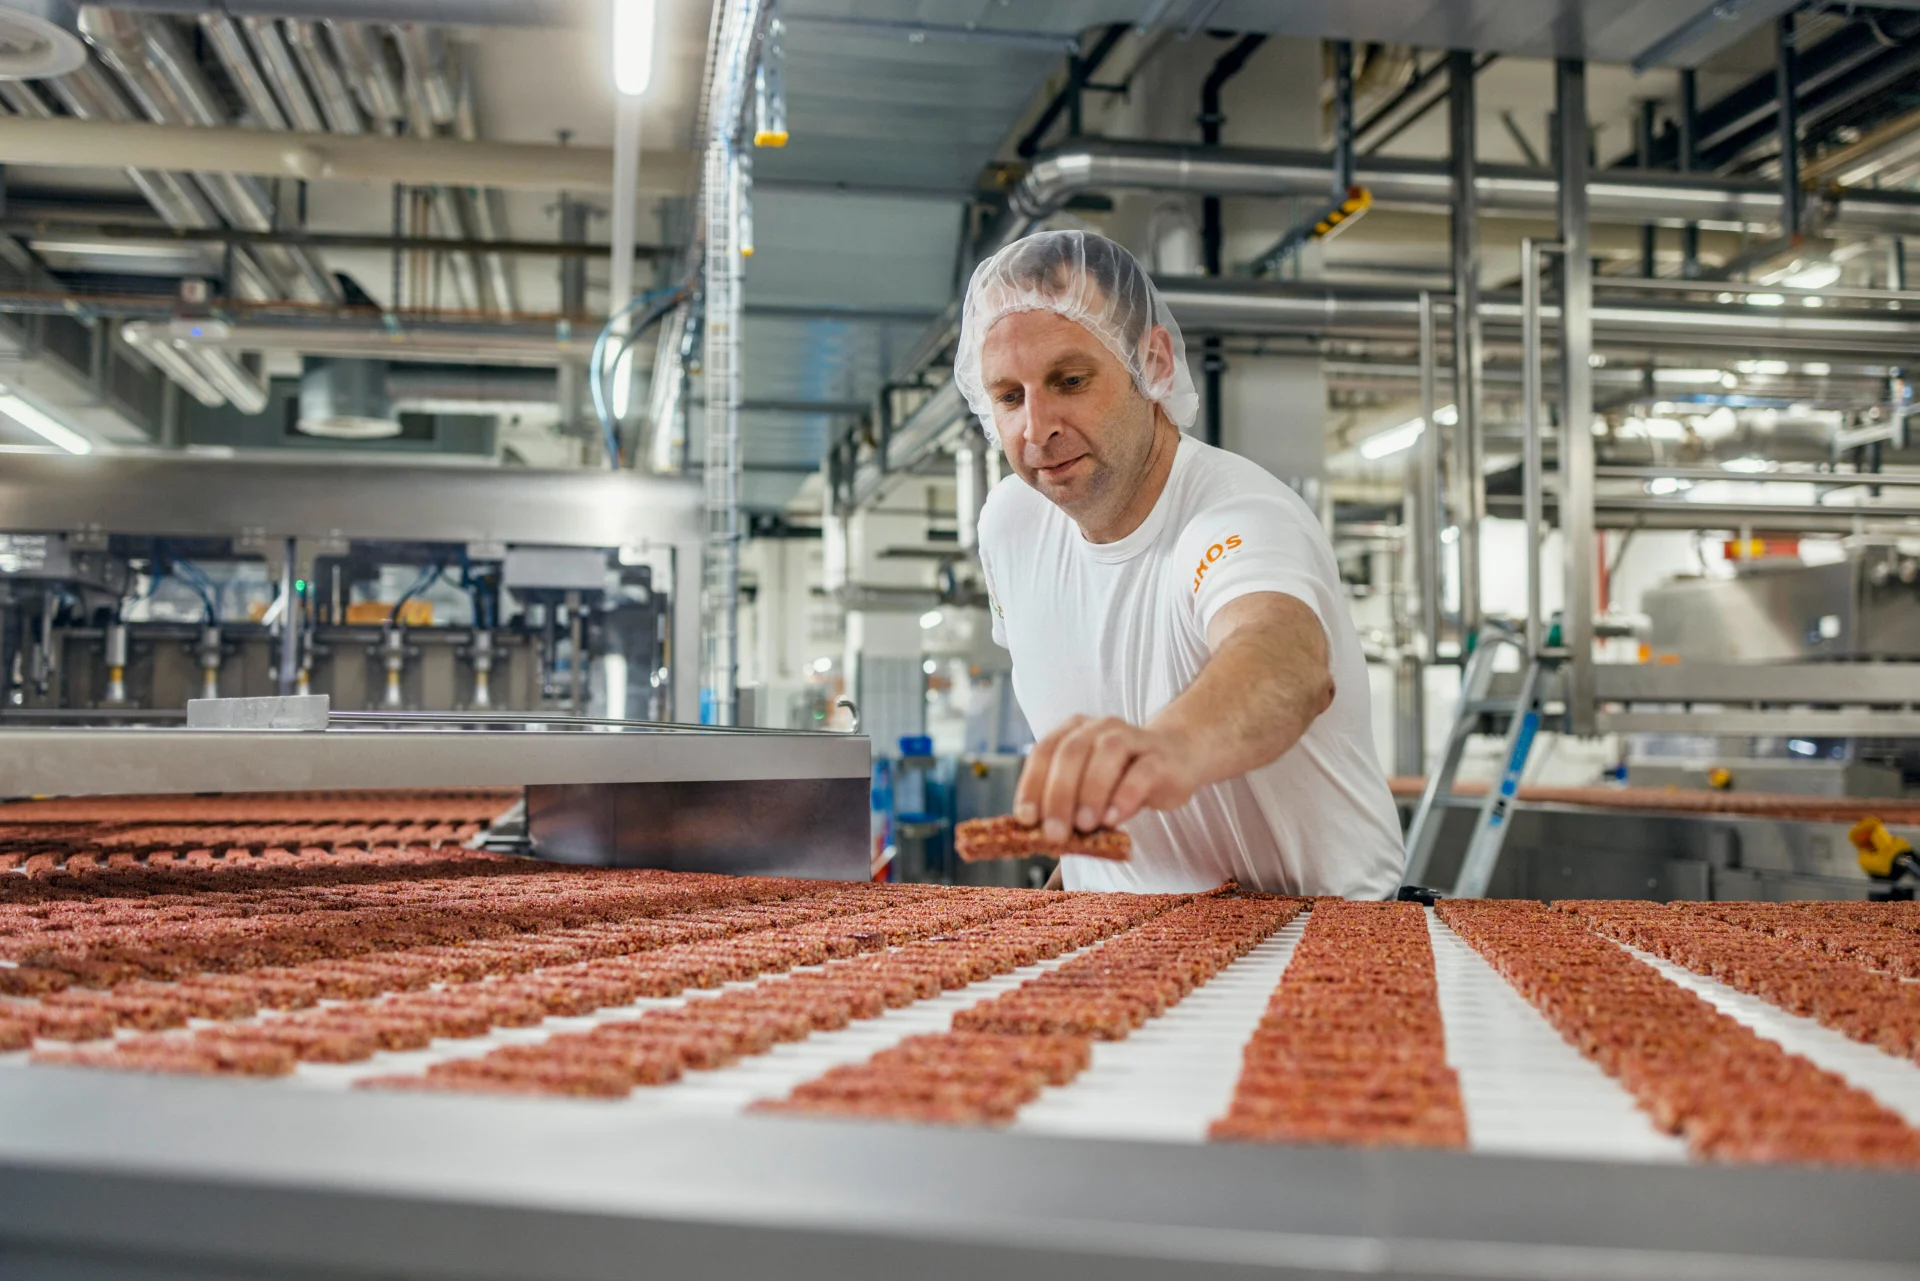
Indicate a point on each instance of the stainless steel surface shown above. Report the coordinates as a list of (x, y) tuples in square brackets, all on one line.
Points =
[(296, 711), (321, 505), (1468, 472), (209, 1178), (1576, 390), (809, 827), (1767, 776), (105, 762), (1863, 607), (1835, 684)]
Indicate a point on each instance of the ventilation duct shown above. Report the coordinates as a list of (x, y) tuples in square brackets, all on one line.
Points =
[(346, 400), (39, 39)]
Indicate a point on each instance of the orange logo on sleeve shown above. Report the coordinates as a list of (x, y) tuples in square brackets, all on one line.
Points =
[(1214, 553)]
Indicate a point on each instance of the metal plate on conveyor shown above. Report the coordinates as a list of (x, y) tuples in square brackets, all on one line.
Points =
[(107, 762), (149, 1177)]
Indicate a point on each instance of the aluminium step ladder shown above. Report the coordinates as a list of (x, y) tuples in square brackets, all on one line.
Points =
[(1524, 712)]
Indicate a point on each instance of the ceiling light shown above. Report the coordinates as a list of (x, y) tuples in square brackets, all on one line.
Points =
[(1813, 302), (1809, 275), (1446, 415), (1664, 485), (930, 620), (1729, 381), (1687, 377), (1596, 361), (56, 433), (1748, 464), (823, 665), (1663, 429), (1721, 422), (1766, 300), (1393, 439), (1762, 366), (633, 23), (1816, 368), (929, 667)]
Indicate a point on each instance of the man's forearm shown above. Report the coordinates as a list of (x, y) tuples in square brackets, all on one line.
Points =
[(1264, 685)]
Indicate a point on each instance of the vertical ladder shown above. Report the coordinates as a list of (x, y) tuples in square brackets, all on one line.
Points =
[(1523, 711)]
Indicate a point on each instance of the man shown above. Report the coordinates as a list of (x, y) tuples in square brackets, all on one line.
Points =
[(1179, 631)]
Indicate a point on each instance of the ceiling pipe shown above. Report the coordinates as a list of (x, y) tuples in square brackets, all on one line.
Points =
[(367, 158), (323, 73), (1615, 196), (277, 62), (472, 13), (367, 72), (491, 344), (1317, 311)]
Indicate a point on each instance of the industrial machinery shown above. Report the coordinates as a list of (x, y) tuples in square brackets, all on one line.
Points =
[(129, 586)]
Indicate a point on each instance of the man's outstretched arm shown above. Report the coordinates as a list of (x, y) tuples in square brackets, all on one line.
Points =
[(1265, 682)]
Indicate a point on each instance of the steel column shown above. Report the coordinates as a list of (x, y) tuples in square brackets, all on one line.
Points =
[(1576, 390), (1469, 481), (1689, 148), (1531, 499), (1786, 75), (289, 620), (1423, 484)]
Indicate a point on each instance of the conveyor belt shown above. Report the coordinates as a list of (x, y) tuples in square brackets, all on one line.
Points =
[(505, 961)]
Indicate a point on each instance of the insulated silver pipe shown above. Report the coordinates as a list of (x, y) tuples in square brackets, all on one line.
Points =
[(367, 71), (276, 61), (336, 100), (1674, 200)]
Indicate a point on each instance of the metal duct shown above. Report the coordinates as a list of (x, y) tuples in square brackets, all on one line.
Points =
[(483, 344), (231, 48), (1672, 200), (423, 53), (456, 390), (176, 364), (1318, 311), (336, 100), (487, 207), (277, 62), (471, 13), (39, 39), (168, 87), (346, 400), (367, 71)]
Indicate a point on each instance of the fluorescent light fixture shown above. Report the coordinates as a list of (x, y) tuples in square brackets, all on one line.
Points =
[(930, 620), (54, 433), (1749, 464), (1688, 377), (1766, 300), (1810, 275), (1393, 439), (823, 665), (1816, 369), (1446, 415), (1661, 486), (1802, 747), (1721, 422), (1763, 366), (1451, 534), (633, 23), (1663, 428)]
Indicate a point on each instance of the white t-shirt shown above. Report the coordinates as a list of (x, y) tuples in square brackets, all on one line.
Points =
[(1120, 629)]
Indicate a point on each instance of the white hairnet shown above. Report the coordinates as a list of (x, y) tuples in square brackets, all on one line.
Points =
[(1090, 280)]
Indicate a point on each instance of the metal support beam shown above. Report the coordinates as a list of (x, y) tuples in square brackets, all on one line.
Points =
[(1576, 390), (1689, 157), (1786, 73), (1469, 483), (1424, 520)]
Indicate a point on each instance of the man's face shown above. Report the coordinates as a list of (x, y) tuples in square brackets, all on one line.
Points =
[(1070, 419)]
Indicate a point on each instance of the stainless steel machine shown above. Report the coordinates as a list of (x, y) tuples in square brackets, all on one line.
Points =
[(558, 589)]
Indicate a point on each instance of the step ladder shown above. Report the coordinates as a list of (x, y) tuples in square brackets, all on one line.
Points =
[(1524, 711)]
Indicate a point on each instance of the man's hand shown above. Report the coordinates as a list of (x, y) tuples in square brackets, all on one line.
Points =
[(1092, 773), (1264, 683)]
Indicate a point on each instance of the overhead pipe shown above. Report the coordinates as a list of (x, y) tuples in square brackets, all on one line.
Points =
[(1213, 365), (486, 205), (472, 13), (161, 72), (323, 73), (367, 71), (1425, 186), (277, 62)]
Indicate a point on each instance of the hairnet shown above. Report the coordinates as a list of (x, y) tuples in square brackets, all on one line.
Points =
[(1095, 283)]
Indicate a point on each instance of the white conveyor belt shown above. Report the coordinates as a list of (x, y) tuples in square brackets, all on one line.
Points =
[(1525, 1090), (1894, 1081)]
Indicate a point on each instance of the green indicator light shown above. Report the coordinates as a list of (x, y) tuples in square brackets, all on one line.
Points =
[(299, 584)]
